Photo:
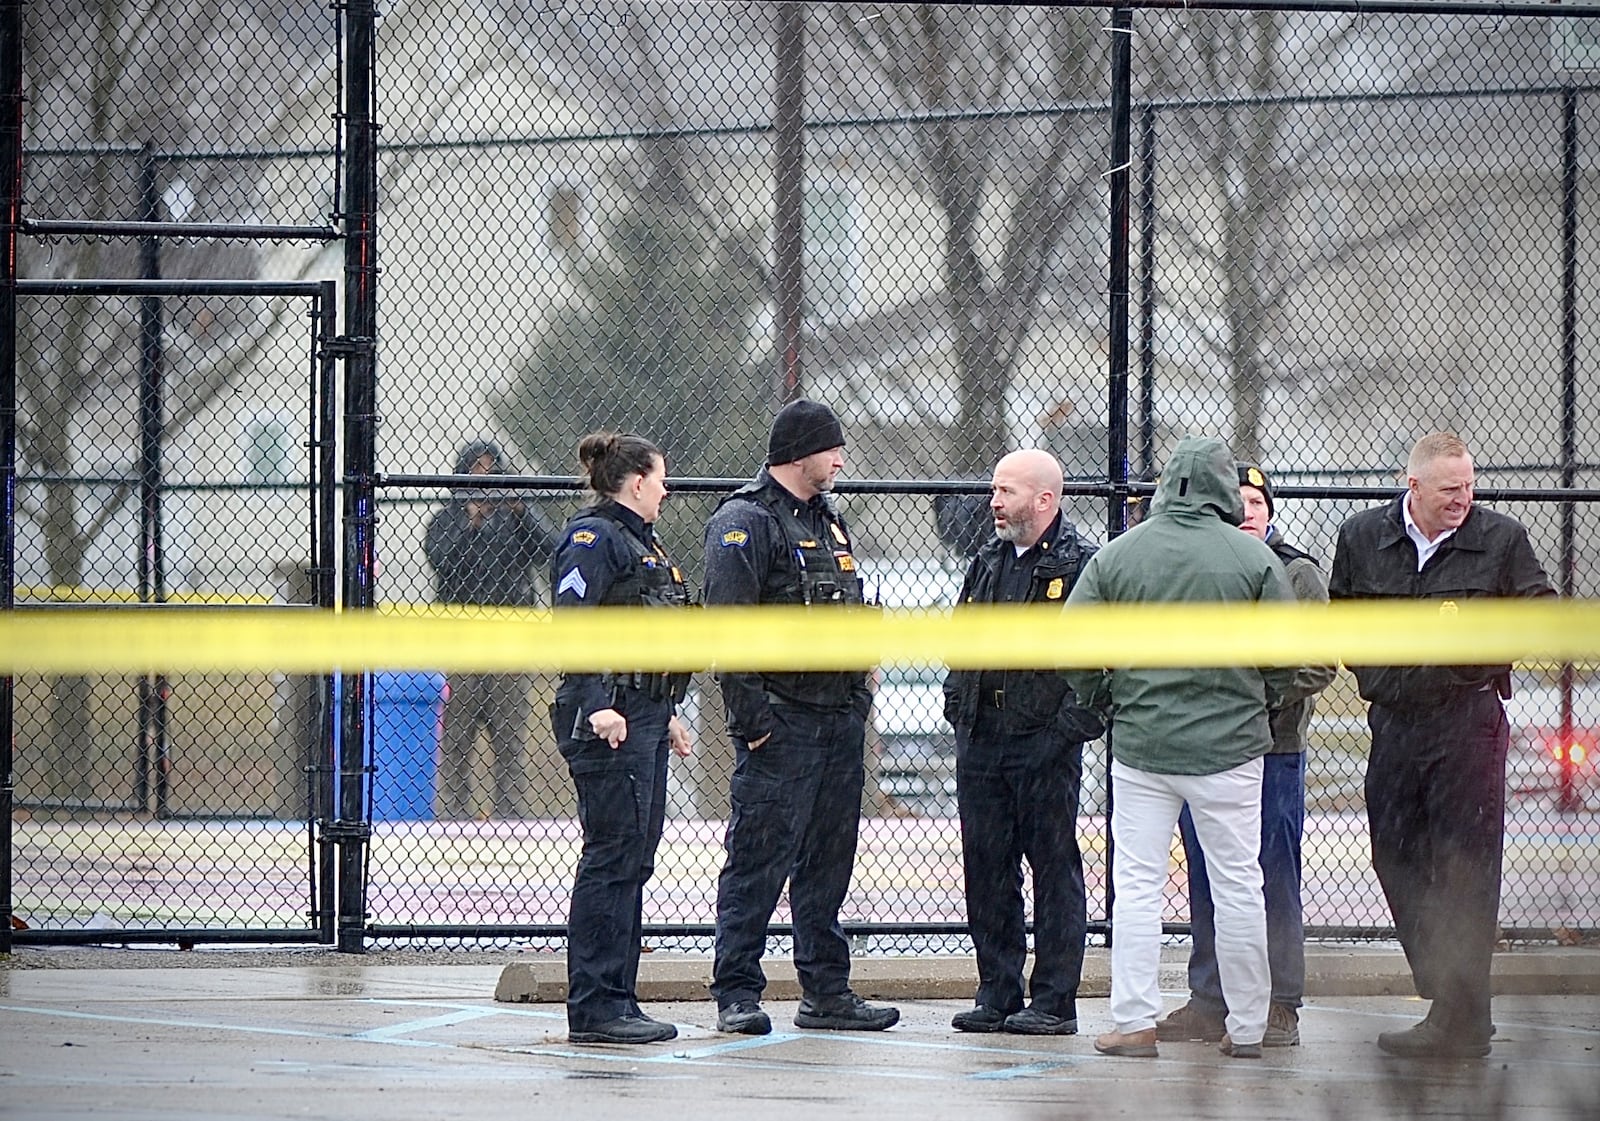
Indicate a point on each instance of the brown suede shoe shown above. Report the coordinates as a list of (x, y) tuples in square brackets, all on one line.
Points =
[(1129, 1045), (1189, 1024)]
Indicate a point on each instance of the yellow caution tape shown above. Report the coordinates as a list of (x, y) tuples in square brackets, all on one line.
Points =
[(304, 640)]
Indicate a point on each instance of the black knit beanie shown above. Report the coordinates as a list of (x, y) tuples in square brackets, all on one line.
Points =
[(1252, 476), (801, 428)]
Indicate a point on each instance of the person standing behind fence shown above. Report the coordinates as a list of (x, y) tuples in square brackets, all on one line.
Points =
[(1186, 735), (1283, 814), (616, 731), (1019, 770), (798, 737), (1436, 778), (483, 546)]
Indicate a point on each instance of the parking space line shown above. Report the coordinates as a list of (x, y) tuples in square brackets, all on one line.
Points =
[(208, 1025), (452, 1005), (729, 1047), (410, 1027)]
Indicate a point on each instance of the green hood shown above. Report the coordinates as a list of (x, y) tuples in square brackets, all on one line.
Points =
[(1200, 474)]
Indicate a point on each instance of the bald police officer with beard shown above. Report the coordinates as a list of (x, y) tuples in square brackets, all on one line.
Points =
[(1019, 768)]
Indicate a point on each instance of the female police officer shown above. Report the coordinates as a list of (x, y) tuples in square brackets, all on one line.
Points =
[(615, 731)]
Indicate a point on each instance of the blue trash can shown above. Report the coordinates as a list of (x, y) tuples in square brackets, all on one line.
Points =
[(403, 736)]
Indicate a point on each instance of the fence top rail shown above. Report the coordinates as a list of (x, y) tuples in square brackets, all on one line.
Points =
[(196, 603), (531, 485), (182, 155), (1361, 7), (309, 288), (230, 231), (1045, 109)]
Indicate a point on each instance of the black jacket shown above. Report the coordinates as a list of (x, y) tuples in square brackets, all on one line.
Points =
[(1292, 718), (610, 557), (492, 562), (1034, 699), (763, 545), (1489, 556)]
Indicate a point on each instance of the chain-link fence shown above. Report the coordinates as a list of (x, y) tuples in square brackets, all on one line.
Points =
[(1318, 233)]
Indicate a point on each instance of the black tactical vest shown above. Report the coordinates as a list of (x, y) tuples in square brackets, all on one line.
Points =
[(1287, 552), (824, 570), (811, 571), (653, 581)]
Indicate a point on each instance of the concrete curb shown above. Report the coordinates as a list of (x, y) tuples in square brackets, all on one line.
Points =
[(1330, 971)]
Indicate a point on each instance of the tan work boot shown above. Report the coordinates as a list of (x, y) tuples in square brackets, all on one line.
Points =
[(1283, 1027)]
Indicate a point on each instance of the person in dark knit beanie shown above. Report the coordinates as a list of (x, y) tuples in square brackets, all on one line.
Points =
[(803, 428), (799, 737), (1252, 476)]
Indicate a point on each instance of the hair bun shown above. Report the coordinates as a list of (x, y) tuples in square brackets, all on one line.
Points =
[(595, 447)]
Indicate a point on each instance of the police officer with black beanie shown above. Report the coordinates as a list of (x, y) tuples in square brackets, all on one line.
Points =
[(798, 737), (615, 731)]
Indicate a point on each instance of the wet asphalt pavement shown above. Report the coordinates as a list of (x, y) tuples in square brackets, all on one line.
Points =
[(361, 1040)]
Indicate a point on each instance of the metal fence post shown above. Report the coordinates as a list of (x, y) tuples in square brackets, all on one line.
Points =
[(1119, 179), (1117, 303), (11, 199), (789, 192), (325, 596), (352, 829), (1568, 799), (152, 763), (1147, 295)]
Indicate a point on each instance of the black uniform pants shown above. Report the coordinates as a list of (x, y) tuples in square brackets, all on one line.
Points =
[(1436, 812), (1018, 797), (622, 799), (796, 812)]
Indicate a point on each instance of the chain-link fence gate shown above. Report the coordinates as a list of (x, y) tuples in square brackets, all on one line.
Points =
[(170, 430), (137, 793), (1328, 231)]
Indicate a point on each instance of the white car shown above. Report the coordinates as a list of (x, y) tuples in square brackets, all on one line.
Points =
[(915, 748)]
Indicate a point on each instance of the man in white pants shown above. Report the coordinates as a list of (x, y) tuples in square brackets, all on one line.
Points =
[(1186, 735)]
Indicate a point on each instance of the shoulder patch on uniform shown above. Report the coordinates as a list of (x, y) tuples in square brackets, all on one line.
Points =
[(573, 582), (736, 538), (584, 537)]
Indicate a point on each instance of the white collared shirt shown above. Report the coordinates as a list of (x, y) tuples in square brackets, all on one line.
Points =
[(1425, 548)]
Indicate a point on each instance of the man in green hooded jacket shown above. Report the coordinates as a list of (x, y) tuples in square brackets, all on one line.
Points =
[(1187, 735)]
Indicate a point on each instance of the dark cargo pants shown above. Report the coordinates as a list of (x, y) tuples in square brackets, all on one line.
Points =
[(796, 812)]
